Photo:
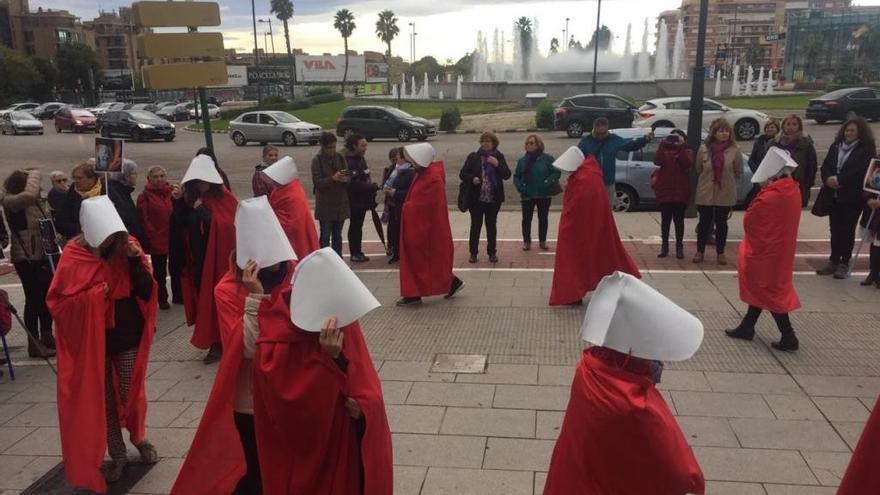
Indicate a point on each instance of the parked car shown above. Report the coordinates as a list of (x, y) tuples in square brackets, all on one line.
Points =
[(138, 125), (383, 122), (163, 104), (75, 120), (213, 111), (845, 104), (575, 114), (634, 169), (141, 106), (47, 111), (272, 127), (673, 112), (173, 113), (19, 122), (23, 107)]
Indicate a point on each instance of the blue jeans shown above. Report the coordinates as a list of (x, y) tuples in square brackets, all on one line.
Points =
[(331, 234)]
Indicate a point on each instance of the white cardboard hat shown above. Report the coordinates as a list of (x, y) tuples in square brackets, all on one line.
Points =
[(774, 161), (421, 154), (99, 220), (283, 171), (629, 316), (571, 160), (202, 168), (259, 236), (324, 286)]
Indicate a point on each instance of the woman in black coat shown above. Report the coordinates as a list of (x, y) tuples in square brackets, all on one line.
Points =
[(485, 170)]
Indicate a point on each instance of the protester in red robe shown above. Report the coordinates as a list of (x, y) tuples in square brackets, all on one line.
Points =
[(280, 183), (618, 436), (154, 209), (588, 246), (862, 475), (103, 300), (766, 253), (426, 250)]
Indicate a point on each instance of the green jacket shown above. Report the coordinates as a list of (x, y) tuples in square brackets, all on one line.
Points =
[(541, 179)]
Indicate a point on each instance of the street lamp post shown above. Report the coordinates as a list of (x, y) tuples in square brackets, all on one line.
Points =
[(596, 45), (695, 114), (256, 55), (271, 36), (565, 34), (265, 41), (412, 56)]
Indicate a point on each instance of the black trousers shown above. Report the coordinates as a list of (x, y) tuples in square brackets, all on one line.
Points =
[(672, 212), (528, 210), (160, 273), (783, 323), (251, 483), (36, 276), (874, 260), (709, 216), (393, 240), (356, 230), (481, 212), (843, 220)]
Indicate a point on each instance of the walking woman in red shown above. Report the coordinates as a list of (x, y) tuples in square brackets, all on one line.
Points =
[(280, 183)]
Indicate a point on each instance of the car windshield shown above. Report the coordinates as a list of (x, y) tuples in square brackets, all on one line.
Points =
[(81, 113), (284, 117), (22, 116), (398, 113), (143, 116)]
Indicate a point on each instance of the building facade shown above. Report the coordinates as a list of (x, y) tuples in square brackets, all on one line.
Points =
[(114, 40), (37, 33)]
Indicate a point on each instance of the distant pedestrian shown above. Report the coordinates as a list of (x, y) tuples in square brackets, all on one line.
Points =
[(330, 177), (270, 156), (672, 187), (86, 184), (759, 148), (536, 178), (119, 189), (361, 194), (485, 171), (802, 150), (604, 146), (154, 210), (56, 195), (396, 188)]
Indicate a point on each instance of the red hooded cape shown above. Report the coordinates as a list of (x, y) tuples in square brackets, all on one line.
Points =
[(588, 246), (292, 209), (154, 210), (619, 437), (82, 316), (221, 242), (426, 250), (862, 475), (308, 442), (766, 253)]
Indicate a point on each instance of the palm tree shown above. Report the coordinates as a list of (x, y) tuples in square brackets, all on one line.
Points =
[(524, 26), (343, 21), (387, 30), (554, 46), (283, 9)]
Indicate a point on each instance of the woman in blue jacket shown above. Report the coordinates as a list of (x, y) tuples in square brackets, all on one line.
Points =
[(535, 178)]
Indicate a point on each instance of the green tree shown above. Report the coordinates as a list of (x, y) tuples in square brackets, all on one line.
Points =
[(524, 26), (283, 10), (343, 21), (464, 66), (554, 46), (428, 65), (754, 53), (18, 76), (605, 35), (386, 29), (78, 61), (45, 87)]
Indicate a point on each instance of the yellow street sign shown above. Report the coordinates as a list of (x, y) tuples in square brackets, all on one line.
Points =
[(180, 45), (176, 14), (181, 76)]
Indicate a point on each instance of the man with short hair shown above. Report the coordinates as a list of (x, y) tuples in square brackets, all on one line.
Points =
[(270, 156), (604, 146)]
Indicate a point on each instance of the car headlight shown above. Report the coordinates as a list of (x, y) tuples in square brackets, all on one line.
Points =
[(145, 126), (79, 122)]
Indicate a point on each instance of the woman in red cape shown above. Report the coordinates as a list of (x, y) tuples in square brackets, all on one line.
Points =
[(309, 442), (81, 306), (292, 209), (588, 246), (862, 475)]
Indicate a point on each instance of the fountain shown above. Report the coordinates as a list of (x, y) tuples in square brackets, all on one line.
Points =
[(678, 51), (425, 92), (394, 93), (734, 82), (403, 86), (412, 89), (770, 82), (440, 95), (458, 88), (750, 76), (761, 88), (661, 67), (644, 70), (626, 72), (718, 83)]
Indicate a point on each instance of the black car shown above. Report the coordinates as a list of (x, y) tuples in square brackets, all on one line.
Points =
[(845, 104), (575, 115), (383, 122), (138, 125), (46, 111)]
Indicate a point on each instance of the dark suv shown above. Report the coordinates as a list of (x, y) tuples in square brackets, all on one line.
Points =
[(138, 125), (845, 104), (575, 114), (383, 122)]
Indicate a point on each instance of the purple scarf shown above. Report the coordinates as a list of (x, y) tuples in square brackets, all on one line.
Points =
[(531, 158), (488, 170), (717, 148)]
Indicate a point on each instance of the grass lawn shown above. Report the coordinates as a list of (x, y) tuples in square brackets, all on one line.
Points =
[(769, 103)]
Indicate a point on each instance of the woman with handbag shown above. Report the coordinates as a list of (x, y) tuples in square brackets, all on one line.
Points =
[(537, 181), (671, 185), (485, 171)]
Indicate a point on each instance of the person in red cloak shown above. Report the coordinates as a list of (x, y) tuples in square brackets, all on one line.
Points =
[(588, 246), (154, 209), (766, 253), (103, 299), (619, 436), (426, 250), (280, 184), (862, 475)]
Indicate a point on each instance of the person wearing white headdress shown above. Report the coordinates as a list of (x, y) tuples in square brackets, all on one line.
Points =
[(619, 436)]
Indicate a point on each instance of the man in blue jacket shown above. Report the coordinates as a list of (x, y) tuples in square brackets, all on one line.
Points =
[(604, 146)]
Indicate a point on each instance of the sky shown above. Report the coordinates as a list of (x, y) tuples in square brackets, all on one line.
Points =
[(445, 29)]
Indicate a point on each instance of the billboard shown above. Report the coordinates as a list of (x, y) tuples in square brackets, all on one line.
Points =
[(116, 79), (329, 69), (236, 77), (377, 72)]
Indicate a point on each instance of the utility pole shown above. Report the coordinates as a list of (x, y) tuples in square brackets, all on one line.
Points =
[(695, 115), (257, 56), (596, 46), (565, 33), (271, 36)]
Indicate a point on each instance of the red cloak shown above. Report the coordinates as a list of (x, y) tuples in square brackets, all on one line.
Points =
[(619, 437), (588, 246), (426, 250), (292, 209), (82, 316), (154, 210), (862, 475), (307, 441), (221, 242), (766, 253)]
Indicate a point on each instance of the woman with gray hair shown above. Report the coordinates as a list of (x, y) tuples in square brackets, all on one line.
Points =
[(119, 189)]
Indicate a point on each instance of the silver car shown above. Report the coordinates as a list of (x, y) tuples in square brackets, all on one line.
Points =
[(19, 122), (634, 169), (272, 127)]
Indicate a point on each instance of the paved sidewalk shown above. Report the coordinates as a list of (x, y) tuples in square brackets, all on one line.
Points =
[(760, 422)]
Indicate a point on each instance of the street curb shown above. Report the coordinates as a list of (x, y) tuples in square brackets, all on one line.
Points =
[(199, 131), (499, 131)]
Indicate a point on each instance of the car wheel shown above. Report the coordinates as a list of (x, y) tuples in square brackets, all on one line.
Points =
[(851, 115), (423, 138), (821, 121), (664, 123), (575, 129), (626, 198), (57, 129), (312, 143), (403, 135), (289, 139), (136, 135), (169, 139), (239, 139), (746, 130), (346, 133)]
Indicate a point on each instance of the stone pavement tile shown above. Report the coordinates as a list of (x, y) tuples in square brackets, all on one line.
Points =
[(189, 390), (418, 371), (530, 301), (842, 408), (515, 374), (849, 431), (707, 432), (721, 405), (190, 417), (174, 370), (694, 381), (156, 387), (869, 402), (10, 435), (414, 419), (39, 414), (555, 375), (793, 407), (395, 392), (42, 441), (20, 472), (37, 392), (753, 383), (540, 481), (9, 411), (784, 434), (408, 480), (171, 442), (160, 478), (798, 490), (828, 467), (667, 398), (549, 424), (839, 386), (531, 397), (489, 422), (733, 488), (518, 454), (160, 414), (438, 450), (451, 394), (753, 465), (443, 481)]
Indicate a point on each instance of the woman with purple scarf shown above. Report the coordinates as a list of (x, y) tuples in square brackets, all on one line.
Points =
[(485, 170), (800, 147), (535, 178)]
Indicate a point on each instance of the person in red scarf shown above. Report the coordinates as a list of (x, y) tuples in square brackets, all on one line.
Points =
[(588, 246), (426, 250), (280, 183), (766, 253), (154, 209), (619, 436), (862, 475), (103, 299)]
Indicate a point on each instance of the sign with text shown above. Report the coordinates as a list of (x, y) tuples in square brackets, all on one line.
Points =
[(236, 77), (329, 69)]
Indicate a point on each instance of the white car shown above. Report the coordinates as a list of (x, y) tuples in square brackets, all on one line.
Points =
[(213, 111), (19, 122), (673, 112), (108, 106)]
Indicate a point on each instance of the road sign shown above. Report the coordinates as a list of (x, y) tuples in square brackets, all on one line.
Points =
[(178, 45), (775, 37), (177, 76), (175, 14)]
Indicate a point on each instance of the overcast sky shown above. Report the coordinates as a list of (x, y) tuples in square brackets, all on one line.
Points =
[(446, 29)]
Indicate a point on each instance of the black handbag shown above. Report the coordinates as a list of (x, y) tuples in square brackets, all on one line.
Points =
[(464, 190), (824, 202)]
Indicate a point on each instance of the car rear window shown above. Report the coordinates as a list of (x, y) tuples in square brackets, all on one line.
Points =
[(834, 95), (863, 95), (647, 106)]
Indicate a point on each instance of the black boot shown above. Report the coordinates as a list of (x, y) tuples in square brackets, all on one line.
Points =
[(744, 331), (870, 280), (664, 250), (679, 251), (788, 342)]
